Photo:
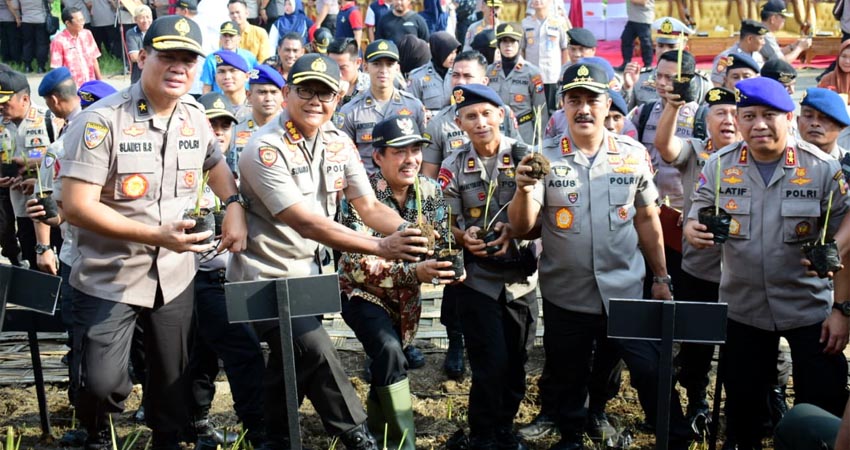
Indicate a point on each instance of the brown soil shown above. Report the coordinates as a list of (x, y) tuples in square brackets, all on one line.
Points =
[(540, 166), (440, 406)]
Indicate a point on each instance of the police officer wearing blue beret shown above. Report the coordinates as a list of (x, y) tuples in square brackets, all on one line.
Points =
[(497, 303), (265, 99), (94, 90), (231, 76), (823, 115), (777, 190), (132, 165)]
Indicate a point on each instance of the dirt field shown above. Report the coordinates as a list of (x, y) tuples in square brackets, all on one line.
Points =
[(435, 398)]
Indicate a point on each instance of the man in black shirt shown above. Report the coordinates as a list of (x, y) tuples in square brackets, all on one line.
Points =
[(403, 20)]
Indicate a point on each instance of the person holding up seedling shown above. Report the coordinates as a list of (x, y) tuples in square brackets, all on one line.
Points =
[(497, 304), (597, 206), (131, 167), (381, 300), (782, 195)]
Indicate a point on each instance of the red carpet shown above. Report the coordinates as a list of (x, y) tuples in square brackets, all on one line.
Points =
[(610, 50)]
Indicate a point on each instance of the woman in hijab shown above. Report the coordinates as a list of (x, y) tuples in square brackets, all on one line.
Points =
[(293, 20), (413, 53), (839, 79)]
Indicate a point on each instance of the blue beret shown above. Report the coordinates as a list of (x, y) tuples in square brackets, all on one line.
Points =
[(470, 94), (761, 91), (51, 79), (230, 58), (741, 60), (92, 91), (618, 102), (264, 74), (827, 102)]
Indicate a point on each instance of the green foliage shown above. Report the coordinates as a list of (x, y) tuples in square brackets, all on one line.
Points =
[(11, 444)]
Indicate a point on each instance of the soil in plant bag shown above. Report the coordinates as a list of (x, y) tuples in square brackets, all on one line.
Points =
[(540, 166), (717, 224), (824, 257), (455, 256), (47, 201), (203, 222)]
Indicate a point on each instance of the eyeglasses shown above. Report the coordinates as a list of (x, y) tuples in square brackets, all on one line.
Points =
[(305, 93)]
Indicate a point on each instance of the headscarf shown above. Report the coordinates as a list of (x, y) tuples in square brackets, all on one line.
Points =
[(296, 22), (413, 53), (837, 80), (442, 44)]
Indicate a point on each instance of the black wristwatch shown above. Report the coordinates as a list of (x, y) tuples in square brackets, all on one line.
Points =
[(41, 248), (843, 307), (238, 198)]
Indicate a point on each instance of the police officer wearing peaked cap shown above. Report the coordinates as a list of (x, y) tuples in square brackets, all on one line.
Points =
[(781, 71), (359, 116), (518, 82), (497, 304), (293, 171), (596, 177), (126, 191), (750, 41), (776, 190)]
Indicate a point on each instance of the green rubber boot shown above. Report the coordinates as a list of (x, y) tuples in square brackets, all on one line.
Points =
[(374, 414), (397, 407)]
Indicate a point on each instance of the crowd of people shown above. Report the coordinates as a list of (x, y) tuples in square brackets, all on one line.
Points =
[(538, 163)]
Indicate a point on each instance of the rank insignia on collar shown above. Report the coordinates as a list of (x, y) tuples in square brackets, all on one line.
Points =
[(790, 157), (250, 123), (470, 163), (566, 149), (142, 107), (742, 159), (506, 159), (293, 132)]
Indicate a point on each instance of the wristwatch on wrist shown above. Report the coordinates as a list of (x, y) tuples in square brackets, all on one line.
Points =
[(844, 307), (41, 248), (666, 279), (238, 198)]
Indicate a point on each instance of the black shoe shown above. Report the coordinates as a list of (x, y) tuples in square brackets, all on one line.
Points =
[(482, 443), (598, 427), (777, 405), (102, 440), (415, 358), (206, 429), (573, 442), (699, 416), (74, 438), (542, 425), (506, 439), (453, 364), (458, 441), (359, 438)]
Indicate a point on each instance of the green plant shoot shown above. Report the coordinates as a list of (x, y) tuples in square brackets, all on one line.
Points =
[(826, 219), (717, 190), (217, 204), (490, 190), (401, 442), (386, 427), (200, 193), (38, 179)]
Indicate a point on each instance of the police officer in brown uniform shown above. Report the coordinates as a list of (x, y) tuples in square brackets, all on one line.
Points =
[(700, 275), (777, 191), (293, 172), (131, 168), (25, 130), (596, 205), (517, 81), (497, 302)]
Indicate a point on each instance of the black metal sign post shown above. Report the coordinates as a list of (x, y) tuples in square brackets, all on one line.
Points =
[(666, 321), (282, 300), (39, 293)]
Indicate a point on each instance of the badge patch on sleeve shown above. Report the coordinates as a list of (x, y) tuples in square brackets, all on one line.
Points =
[(94, 135), (445, 177), (268, 156)]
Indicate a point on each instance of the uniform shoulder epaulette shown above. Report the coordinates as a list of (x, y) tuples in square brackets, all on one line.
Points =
[(453, 157), (188, 100), (810, 148), (628, 141), (354, 100), (419, 69), (552, 142), (733, 147), (406, 94)]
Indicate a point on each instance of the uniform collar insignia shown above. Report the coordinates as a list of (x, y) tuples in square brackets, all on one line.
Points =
[(292, 133), (142, 107), (744, 157), (790, 157)]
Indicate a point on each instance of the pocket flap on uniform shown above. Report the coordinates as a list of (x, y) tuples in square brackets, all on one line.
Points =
[(801, 208), (145, 163), (190, 160)]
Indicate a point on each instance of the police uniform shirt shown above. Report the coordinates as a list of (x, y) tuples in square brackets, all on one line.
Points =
[(474, 29), (358, 117), (718, 66), (446, 137), (590, 245), (522, 90), (667, 178), (544, 42), (280, 168), (465, 181), (838, 152), (426, 84), (771, 47), (149, 168), (68, 252), (242, 132), (31, 139), (700, 263), (762, 279), (644, 92)]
